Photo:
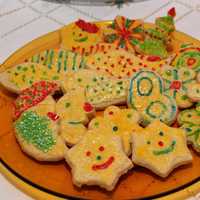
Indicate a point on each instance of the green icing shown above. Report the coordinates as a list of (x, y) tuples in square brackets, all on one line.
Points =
[(165, 23), (156, 33), (166, 150), (34, 129)]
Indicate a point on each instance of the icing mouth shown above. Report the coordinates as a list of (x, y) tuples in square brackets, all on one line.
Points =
[(103, 165), (83, 39), (166, 150)]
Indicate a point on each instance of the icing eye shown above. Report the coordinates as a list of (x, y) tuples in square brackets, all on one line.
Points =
[(101, 148), (96, 124), (79, 79), (189, 115), (110, 113), (80, 34), (88, 153), (115, 128), (67, 104), (129, 115), (161, 133), (148, 142)]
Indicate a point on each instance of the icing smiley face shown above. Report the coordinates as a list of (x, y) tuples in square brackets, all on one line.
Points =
[(160, 148), (98, 160)]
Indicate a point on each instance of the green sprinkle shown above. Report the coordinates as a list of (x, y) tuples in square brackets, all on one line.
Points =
[(67, 105), (94, 79), (34, 129), (55, 77), (98, 157), (19, 67)]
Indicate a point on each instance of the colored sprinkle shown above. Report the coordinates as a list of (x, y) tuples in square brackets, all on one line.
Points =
[(67, 105), (101, 148), (35, 130), (98, 157)]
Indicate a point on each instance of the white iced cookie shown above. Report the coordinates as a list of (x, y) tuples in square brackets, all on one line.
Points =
[(98, 160)]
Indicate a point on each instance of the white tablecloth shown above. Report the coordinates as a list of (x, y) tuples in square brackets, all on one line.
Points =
[(23, 20)]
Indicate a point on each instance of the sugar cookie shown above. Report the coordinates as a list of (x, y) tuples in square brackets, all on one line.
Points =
[(147, 97), (98, 160), (160, 148), (193, 92), (120, 122)]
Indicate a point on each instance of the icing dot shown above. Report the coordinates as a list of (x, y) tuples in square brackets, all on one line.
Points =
[(148, 142), (115, 128), (161, 133), (88, 107), (98, 157), (67, 105), (88, 153), (110, 113), (96, 124), (129, 115), (160, 143), (101, 148), (79, 79)]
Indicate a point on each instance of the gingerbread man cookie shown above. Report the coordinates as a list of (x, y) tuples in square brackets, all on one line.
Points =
[(146, 95), (74, 112), (119, 63), (101, 90), (160, 148), (37, 132), (120, 122), (177, 83), (190, 122), (98, 160)]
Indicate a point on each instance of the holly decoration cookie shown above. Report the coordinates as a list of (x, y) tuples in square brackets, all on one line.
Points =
[(98, 160), (74, 112), (177, 83), (30, 97), (101, 90), (119, 63), (188, 56), (146, 95), (36, 131), (81, 36), (190, 122), (122, 31), (120, 122), (160, 148)]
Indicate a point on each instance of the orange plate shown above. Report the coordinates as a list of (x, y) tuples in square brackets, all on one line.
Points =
[(54, 181)]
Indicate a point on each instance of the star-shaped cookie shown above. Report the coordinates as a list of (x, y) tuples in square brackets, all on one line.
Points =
[(160, 148), (98, 160), (120, 122)]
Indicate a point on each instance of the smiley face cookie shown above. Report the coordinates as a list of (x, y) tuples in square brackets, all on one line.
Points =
[(190, 122), (98, 160), (146, 95), (188, 57), (177, 84), (74, 112), (33, 95), (119, 63), (100, 90), (120, 122), (160, 148), (81, 36), (37, 132)]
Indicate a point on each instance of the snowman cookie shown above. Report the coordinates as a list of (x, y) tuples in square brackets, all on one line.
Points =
[(74, 112), (177, 84), (37, 132), (98, 160), (160, 148), (101, 90), (120, 122), (190, 122), (146, 95)]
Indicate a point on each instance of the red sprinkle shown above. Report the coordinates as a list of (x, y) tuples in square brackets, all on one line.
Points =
[(86, 26), (101, 148), (153, 58), (175, 85), (88, 107), (52, 116)]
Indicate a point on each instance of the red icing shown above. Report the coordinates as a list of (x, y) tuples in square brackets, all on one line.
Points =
[(33, 95), (52, 116), (191, 61), (86, 26), (103, 165), (153, 58), (101, 148), (88, 107), (172, 12), (176, 85), (110, 113), (160, 143), (88, 153)]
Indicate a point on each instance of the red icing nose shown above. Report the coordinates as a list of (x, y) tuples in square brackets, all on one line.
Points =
[(191, 61), (175, 85), (160, 143), (88, 107)]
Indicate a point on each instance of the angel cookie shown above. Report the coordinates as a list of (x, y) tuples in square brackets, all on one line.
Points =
[(74, 112), (101, 90), (120, 122), (160, 148), (190, 122), (81, 36), (188, 56), (146, 95), (98, 160), (33, 95), (177, 84), (37, 132), (119, 63)]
